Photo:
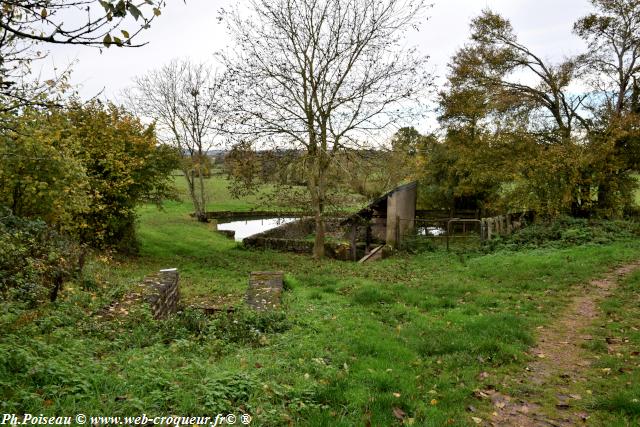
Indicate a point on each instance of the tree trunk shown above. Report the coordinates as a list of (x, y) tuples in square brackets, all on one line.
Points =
[(318, 245), (189, 174), (203, 204), (318, 183)]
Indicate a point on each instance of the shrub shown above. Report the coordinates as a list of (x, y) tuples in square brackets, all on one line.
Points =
[(83, 170), (248, 327), (568, 231), (34, 259)]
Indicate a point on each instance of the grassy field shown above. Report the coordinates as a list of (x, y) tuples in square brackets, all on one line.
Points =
[(401, 341), (218, 197), (266, 198), (614, 380)]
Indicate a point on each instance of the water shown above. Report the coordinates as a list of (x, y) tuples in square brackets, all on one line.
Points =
[(249, 227), (431, 231)]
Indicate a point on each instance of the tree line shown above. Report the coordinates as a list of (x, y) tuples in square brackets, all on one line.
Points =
[(319, 81), (521, 132)]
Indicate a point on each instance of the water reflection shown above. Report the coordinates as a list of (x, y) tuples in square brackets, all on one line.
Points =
[(249, 227), (431, 231)]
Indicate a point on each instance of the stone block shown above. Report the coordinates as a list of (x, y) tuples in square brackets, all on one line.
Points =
[(265, 290)]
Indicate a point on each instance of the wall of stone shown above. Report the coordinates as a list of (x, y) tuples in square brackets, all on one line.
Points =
[(340, 251), (234, 215), (296, 230), (163, 292), (292, 237)]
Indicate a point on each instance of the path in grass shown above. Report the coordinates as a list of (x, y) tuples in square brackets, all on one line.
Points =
[(560, 363)]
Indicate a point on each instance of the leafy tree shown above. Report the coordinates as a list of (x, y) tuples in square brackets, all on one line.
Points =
[(612, 34), (27, 27), (510, 118), (321, 77), (501, 65), (83, 170), (612, 68), (373, 172), (124, 167), (40, 174)]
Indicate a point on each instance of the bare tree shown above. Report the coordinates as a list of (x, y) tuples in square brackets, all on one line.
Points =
[(319, 75), (182, 97)]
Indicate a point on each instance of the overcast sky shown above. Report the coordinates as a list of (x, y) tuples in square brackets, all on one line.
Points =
[(191, 30)]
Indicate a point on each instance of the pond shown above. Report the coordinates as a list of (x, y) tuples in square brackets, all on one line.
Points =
[(249, 227), (430, 231)]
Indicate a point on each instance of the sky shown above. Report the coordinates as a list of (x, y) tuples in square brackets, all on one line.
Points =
[(190, 30)]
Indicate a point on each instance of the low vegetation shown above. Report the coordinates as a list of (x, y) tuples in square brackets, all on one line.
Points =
[(405, 340), (418, 338)]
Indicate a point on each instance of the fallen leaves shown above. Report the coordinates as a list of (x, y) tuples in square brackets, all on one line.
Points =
[(399, 413)]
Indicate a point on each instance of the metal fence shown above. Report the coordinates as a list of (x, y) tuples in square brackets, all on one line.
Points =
[(448, 233)]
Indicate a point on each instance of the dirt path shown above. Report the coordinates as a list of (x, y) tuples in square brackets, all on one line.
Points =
[(560, 363)]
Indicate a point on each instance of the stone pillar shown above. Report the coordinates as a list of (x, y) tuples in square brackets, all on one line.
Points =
[(164, 293), (265, 290)]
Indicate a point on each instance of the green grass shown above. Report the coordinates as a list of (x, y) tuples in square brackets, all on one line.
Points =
[(353, 344), (267, 197), (217, 195), (613, 383)]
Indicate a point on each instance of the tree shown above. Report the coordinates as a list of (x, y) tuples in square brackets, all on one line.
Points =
[(48, 20), (613, 58), (124, 166), (510, 117), (183, 99), (612, 67), (321, 76), (40, 174), (501, 66), (83, 170), (28, 26)]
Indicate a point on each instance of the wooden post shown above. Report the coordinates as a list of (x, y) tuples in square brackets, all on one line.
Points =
[(354, 233)]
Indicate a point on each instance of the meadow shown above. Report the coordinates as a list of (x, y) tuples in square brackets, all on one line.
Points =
[(407, 340)]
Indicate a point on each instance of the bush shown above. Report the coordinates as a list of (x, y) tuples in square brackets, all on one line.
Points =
[(416, 244), (34, 259), (83, 170), (248, 327), (568, 231)]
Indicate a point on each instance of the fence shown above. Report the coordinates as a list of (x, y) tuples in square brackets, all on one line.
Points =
[(444, 233), (458, 233), (504, 225)]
